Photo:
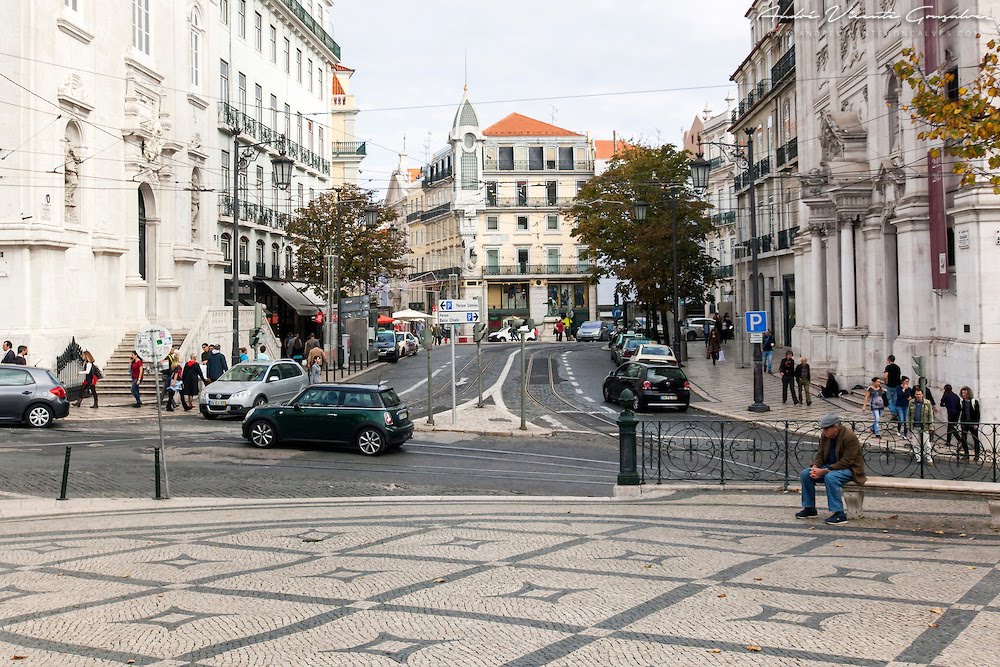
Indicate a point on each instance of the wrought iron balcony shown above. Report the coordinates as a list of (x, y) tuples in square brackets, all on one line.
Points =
[(275, 271), (314, 27), (788, 152), (245, 124), (414, 216), (437, 211), (763, 86), (253, 213), (786, 238), (762, 168), (784, 66), (341, 148), (525, 269), (530, 202), (228, 268), (724, 271), (437, 176), (244, 267), (715, 163), (786, 8), (725, 218), (261, 270)]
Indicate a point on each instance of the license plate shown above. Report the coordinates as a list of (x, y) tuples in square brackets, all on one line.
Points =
[(403, 415), (668, 397), (217, 403)]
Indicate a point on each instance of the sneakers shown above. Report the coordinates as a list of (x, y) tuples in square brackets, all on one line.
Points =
[(836, 518), (806, 513)]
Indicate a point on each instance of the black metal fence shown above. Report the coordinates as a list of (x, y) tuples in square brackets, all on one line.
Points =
[(777, 451), (69, 365)]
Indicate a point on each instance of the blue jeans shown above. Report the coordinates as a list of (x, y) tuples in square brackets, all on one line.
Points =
[(892, 393), (901, 417), (135, 392), (876, 415), (768, 355), (833, 480)]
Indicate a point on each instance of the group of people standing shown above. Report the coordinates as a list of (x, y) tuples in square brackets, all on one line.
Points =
[(9, 357)]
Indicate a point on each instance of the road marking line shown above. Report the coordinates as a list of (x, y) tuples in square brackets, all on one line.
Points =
[(575, 384), (579, 391), (588, 398), (552, 420)]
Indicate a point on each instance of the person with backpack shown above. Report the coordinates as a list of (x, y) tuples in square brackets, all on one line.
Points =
[(767, 348), (969, 420), (91, 374), (875, 401)]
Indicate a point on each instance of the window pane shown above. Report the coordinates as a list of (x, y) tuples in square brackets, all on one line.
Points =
[(535, 158), (507, 158), (492, 222)]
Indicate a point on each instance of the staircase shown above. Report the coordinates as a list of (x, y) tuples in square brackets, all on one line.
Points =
[(116, 387)]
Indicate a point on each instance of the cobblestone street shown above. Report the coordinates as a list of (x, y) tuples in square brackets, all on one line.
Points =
[(701, 578)]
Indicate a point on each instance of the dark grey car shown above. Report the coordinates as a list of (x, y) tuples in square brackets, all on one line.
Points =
[(31, 395)]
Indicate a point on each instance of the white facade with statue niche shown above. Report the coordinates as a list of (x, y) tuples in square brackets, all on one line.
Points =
[(892, 256), (115, 180)]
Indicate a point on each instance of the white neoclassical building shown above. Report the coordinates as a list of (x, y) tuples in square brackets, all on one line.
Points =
[(116, 177), (893, 257)]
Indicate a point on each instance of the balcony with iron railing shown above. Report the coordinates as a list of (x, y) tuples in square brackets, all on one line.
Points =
[(725, 218), (786, 8), (742, 250), (314, 27), (715, 163), (525, 165), (244, 267), (275, 271), (724, 271), (788, 152), (436, 176), (784, 66), (437, 211), (786, 237), (254, 213), (260, 270), (526, 269), (529, 202), (249, 126), (414, 216), (349, 148)]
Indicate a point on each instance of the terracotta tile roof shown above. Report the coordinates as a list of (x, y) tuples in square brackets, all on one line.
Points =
[(414, 173), (605, 149), (337, 88), (341, 68), (516, 125)]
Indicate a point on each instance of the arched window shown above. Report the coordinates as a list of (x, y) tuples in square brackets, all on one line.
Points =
[(226, 246), (260, 257), (195, 47), (288, 262), (275, 259)]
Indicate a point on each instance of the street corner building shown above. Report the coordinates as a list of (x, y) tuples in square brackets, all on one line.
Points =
[(484, 220), (117, 184), (867, 244)]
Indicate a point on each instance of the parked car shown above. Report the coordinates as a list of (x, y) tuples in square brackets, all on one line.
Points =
[(252, 384), (407, 346), (505, 334), (628, 348), (369, 417), (386, 346), (31, 395), (693, 327), (410, 338), (654, 385), (591, 331), (618, 341), (657, 354)]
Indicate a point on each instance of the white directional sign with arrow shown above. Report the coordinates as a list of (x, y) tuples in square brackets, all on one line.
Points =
[(458, 311)]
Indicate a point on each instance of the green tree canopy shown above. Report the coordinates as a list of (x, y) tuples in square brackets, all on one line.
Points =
[(367, 253), (640, 254)]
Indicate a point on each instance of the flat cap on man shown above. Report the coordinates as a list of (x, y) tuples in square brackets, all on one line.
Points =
[(828, 420)]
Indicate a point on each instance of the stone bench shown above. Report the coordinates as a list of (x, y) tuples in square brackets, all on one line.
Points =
[(854, 494)]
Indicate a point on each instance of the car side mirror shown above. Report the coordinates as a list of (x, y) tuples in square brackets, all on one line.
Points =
[(297, 407), (272, 378)]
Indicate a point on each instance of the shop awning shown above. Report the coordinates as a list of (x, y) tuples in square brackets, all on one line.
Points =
[(299, 296)]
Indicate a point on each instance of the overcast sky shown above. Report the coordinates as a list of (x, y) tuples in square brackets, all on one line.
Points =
[(412, 54)]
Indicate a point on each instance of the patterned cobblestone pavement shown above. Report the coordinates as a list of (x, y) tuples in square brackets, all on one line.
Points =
[(699, 579)]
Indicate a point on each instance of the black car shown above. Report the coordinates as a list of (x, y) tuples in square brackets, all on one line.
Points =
[(654, 385), (369, 417), (386, 346)]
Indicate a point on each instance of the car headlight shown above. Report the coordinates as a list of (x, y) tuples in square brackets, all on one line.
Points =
[(249, 412), (240, 394)]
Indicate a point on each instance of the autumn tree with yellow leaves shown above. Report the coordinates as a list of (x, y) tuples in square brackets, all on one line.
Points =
[(966, 117)]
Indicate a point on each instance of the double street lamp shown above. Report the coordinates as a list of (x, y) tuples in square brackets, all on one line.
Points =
[(281, 176), (704, 167)]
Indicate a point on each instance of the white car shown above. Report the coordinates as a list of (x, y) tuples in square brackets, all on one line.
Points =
[(505, 335), (694, 327), (661, 354)]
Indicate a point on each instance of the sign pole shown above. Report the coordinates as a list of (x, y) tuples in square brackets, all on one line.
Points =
[(154, 343), (524, 385), (159, 425), (430, 392), (479, 355), (453, 390)]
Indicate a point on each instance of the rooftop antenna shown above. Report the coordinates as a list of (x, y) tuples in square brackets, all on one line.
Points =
[(554, 110)]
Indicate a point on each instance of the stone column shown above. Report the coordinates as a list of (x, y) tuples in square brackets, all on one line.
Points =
[(818, 265), (848, 317)]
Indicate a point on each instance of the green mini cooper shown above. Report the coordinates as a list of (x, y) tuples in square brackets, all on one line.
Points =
[(370, 417)]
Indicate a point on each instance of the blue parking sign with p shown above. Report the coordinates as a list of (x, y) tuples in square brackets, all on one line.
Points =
[(756, 321)]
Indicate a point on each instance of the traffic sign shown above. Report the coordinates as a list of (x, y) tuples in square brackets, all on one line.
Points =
[(756, 338), (452, 318), (460, 305), (617, 313), (153, 343), (756, 321)]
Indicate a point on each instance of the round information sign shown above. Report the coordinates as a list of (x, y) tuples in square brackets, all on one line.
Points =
[(153, 343)]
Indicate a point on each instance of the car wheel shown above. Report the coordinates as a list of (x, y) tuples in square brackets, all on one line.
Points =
[(370, 442), (262, 434), (38, 416), (607, 395), (259, 401)]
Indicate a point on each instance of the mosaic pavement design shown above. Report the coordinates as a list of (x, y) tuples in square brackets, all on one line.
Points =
[(698, 580)]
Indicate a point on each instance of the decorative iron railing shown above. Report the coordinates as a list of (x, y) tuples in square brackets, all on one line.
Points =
[(778, 451), (69, 364)]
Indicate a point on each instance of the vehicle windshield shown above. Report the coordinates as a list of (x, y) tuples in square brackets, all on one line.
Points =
[(385, 337), (633, 343), (244, 373), (389, 398), (400, 336), (664, 373), (590, 325), (656, 350)]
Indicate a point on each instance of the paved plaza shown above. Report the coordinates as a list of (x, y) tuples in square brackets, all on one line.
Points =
[(699, 578)]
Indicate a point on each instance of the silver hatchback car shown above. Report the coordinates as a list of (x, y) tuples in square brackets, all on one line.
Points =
[(31, 395), (250, 384)]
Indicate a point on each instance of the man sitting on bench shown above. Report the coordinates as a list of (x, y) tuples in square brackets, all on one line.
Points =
[(838, 460)]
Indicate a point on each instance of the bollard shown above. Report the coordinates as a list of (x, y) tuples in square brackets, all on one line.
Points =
[(156, 473), (65, 475), (627, 474)]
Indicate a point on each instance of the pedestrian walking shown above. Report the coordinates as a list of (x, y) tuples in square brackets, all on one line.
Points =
[(174, 387), (316, 353), (787, 370), (287, 346), (903, 396), (315, 370), (874, 401), (297, 348), (838, 461), (8, 352), (706, 330), (969, 419), (952, 404), (892, 376), (310, 343), (559, 328), (244, 357), (191, 376), (262, 354), (727, 328), (21, 358), (803, 376), (89, 373), (922, 386), (166, 369), (136, 372), (767, 348), (920, 421), (714, 347), (217, 364)]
